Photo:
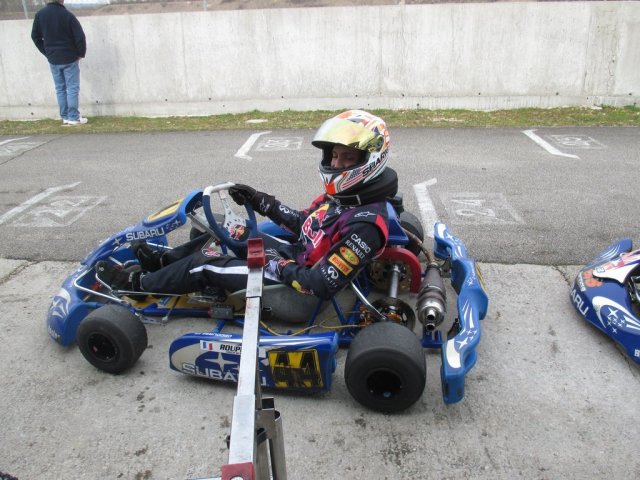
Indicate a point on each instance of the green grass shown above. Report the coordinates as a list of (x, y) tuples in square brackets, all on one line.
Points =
[(526, 117)]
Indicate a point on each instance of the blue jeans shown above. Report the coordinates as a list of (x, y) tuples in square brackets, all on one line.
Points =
[(67, 81)]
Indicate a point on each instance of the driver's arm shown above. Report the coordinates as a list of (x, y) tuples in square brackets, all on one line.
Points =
[(273, 209), (357, 245), (290, 218)]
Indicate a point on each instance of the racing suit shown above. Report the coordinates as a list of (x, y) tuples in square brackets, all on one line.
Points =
[(334, 243)]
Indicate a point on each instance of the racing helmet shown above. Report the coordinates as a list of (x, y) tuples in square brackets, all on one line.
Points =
[(357, 129)]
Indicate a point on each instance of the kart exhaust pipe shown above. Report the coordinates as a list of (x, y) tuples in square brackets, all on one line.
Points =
[(431, 303)]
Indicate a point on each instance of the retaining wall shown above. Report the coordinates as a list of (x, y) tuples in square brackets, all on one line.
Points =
[(471, 55)]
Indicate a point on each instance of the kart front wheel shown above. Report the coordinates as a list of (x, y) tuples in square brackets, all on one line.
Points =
[(112, 338), (386, 367)]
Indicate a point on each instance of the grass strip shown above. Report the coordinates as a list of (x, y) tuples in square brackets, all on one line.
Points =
[(415, 118)]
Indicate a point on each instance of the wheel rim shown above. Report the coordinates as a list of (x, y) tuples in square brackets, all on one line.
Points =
[(397, 311), (384, 384), (102, 347)]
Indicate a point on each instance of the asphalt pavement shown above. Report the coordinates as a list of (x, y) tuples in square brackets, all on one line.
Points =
[(550, 398)]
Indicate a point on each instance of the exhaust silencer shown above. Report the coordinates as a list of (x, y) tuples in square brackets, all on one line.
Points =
[(431, 303)]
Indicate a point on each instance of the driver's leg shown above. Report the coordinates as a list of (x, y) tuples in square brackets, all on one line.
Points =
[(152, 260), (196, 272), (186, 249)]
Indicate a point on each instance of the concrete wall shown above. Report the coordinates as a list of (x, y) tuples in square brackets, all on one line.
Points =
[(475, 56)]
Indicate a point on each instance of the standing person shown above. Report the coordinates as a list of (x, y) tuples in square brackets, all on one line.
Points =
[(342, 231), (59, 36)]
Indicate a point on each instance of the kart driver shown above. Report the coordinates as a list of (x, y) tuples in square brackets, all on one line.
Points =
[(340, 233)]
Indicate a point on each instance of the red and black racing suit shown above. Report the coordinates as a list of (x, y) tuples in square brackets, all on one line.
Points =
[(334, 244)]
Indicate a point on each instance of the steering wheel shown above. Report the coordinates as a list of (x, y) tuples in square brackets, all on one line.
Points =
[(221, 229)]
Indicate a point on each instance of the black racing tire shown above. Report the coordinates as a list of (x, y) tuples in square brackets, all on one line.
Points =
[(112, 338), (386, 367), (410, 222)]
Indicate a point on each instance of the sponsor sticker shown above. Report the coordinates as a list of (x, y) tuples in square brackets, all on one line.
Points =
[(210, 251), (296, 285), (361, 255), (364, 215), (349, 255), (330, 274), (361, 243), (340, 264), (233, 348), (579, 302), (237, 232), (144, 234), (589, 280)]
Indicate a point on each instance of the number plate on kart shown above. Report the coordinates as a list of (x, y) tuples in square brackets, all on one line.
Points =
[(295, 369)]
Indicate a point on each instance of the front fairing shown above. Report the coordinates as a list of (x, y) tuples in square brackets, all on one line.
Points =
[(74, 301), (153, 228), (67, 309)]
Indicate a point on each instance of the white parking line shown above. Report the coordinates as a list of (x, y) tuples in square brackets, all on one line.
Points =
[(12, 140), (427, 210), (33, 200), (549, 148), (242, 152)]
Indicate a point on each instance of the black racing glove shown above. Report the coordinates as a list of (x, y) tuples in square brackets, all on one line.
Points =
[(260, 201)]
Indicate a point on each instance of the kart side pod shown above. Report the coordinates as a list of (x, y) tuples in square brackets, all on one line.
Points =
[(301, 362)]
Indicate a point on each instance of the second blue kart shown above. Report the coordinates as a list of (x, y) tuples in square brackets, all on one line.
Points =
[(385, 369), (606, 292)]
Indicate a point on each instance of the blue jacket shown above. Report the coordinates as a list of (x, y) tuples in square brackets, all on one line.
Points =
[(58, 35)]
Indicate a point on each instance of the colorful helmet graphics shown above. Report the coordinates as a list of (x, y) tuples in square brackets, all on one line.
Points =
[(357, 129)]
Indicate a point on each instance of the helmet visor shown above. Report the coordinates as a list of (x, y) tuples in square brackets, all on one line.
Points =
[(343, 132)]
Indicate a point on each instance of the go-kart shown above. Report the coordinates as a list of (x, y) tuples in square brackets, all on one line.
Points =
[(385, 368), (606, 293)]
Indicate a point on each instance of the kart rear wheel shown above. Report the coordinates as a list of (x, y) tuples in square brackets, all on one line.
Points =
[(386, 367), (410, 222), (112, 338)]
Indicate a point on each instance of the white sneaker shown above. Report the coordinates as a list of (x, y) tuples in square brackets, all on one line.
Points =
[(80, 121)]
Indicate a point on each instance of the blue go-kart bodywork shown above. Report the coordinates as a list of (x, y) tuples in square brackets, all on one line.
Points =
[(606, 293), (99, 319)]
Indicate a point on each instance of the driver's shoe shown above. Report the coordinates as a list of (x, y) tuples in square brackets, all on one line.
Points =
[(150, 259), (116, 278)]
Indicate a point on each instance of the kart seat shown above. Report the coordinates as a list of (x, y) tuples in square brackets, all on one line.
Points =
[(397, 237), (285, 303)]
